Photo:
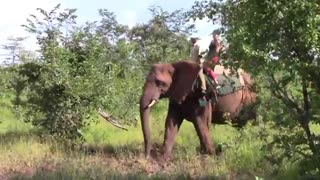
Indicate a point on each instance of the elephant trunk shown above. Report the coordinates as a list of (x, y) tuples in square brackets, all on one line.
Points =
[(147, 100)]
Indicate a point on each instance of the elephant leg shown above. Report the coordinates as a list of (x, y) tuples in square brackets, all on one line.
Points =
[(202, 126), (172, 125)]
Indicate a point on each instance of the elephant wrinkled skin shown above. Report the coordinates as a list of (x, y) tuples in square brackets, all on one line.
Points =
[(175, 81)]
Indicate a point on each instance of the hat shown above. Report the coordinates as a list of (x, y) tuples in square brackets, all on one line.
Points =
[(217, 31)]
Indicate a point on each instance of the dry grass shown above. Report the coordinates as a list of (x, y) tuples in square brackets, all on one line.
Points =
[(25, 156), (31, 159), (111, 153)]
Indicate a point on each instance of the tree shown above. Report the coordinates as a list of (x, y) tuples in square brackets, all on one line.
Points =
[(69, 80), (163, 38), (278, 40), (81, 68), (14, 47)]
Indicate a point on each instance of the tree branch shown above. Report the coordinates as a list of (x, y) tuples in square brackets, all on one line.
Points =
[(283, 95), (305, 117)]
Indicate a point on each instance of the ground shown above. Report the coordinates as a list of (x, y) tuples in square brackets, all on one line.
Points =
[(111, 153)]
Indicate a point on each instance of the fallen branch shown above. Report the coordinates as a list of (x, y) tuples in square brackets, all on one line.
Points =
[(108, 117)]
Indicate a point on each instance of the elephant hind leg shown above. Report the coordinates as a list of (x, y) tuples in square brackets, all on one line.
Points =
[(202, 128)]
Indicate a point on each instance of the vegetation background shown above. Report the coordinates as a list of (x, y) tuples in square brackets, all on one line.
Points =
[(49, 127)]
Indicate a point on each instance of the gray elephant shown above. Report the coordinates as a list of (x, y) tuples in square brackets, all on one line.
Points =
[(177, 81)]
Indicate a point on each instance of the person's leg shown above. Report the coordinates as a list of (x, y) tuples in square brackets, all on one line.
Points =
[(201, 53), (203, 81), (214, 77), (202, 100)]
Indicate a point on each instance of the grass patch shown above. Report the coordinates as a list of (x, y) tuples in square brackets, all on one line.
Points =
[(8, 120), (111, 153)]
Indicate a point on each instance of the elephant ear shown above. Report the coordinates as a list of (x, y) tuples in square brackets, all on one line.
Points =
[(184, 76)]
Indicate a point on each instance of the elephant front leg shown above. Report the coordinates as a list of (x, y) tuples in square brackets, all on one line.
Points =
[(172, 125)]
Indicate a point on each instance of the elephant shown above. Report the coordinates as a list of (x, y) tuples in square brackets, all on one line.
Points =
[(176, 81)]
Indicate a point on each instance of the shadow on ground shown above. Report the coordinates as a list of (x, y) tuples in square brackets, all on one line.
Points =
[(11, 137), (109, 175), (95, 161), (131, 149)]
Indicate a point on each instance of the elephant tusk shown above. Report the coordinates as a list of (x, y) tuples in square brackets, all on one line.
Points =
[(111, 119), (152, 103)]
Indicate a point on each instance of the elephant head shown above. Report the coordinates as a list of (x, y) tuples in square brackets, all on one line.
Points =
[(173, 81)]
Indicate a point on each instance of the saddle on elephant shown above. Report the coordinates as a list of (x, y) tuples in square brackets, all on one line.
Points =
[(229, 80)]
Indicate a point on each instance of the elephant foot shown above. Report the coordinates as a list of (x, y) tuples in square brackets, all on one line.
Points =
[(155, 152), (166, 156), (204, 157), (159, 154), (216, 151), (164, 160), (206, 151)]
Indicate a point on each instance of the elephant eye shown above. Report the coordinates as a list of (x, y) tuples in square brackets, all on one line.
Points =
[(160, 83)]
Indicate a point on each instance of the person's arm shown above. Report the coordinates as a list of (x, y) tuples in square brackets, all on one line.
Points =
[(217, 42)]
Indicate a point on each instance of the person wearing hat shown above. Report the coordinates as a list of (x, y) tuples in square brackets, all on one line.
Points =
[(220, 48), (207, 49)]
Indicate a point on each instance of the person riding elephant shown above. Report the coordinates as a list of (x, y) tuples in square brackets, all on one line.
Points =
[(221, 47), (207, 50)]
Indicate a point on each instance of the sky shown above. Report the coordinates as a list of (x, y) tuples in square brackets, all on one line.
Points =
[(13, 14)]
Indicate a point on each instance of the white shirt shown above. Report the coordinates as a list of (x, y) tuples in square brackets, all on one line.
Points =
[(201, 47)]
